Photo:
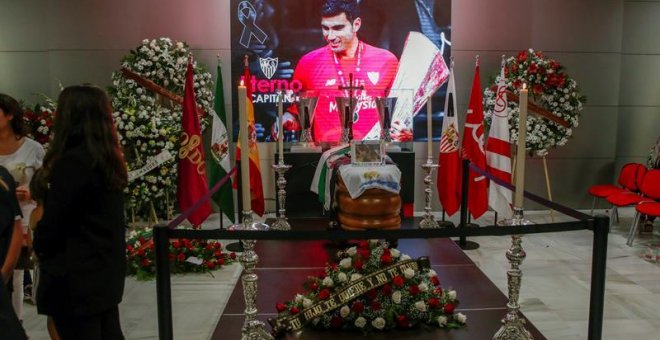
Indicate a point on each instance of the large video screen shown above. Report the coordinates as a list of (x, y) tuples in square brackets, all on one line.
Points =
[(358, 49)]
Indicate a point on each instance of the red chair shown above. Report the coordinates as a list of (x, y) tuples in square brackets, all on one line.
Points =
[(628, 197), (650, 206), (630, 175)]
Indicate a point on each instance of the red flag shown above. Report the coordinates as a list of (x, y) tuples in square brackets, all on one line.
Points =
[(449, 170), (473, 149), (191, 183), (256, 187), (498, 151)]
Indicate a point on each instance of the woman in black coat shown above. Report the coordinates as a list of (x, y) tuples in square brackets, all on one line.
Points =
[(80, 241)]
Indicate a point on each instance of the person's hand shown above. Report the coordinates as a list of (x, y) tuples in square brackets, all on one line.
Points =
[(23, 193)]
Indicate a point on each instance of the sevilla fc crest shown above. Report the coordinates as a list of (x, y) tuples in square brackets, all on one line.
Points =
[(268, 66)]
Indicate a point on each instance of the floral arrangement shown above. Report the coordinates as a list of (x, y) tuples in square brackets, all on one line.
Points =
[(149, 125), (410, 298), (551, 88), (186, 256), (39, 121)]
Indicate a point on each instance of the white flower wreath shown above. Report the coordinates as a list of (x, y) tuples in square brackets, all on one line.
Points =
[(550, 88), (149, 125)]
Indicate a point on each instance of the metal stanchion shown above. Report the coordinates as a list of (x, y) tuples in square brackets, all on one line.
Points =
[(163, 287), (598, 273), (465, 180)]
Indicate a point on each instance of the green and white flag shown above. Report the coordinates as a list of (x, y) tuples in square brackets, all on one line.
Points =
[(220, 163)]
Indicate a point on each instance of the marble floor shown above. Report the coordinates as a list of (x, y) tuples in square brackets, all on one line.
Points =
[(554, 296)]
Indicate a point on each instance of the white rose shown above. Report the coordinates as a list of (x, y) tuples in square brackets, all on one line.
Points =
[(328, 281), (396, 297), (355, 277), (299, 298), (351, 251), (345, 263), (405, 257), (344, 311), (307, 303), (442, 321), (432, 273), (421, 306), (460, 317), (409, 273), (451, 295), (360, 322), (342, 277), (378, 323), (395, 253), (423, 287)]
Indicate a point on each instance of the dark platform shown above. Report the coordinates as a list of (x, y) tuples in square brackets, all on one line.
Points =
[(284, 266)]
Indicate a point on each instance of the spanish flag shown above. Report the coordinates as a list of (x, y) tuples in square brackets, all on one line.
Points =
[(256, 187)]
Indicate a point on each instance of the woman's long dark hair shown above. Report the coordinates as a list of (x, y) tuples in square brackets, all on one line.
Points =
[(84, 116), (11, 107)]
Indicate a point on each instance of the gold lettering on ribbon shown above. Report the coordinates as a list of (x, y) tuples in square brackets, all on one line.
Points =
[(189, 149), (352, 291)]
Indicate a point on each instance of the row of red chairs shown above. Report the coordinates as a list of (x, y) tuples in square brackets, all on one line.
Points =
[(636, 186)]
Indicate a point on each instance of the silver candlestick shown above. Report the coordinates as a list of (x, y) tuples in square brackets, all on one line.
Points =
[(253, 329), (281, 222), (428, 222), (513, 325)]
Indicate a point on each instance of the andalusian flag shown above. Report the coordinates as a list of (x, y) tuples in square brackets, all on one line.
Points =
[(256, 187), (220, 163)]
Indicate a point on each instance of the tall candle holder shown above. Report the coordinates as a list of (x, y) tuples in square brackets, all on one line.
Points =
[(513, 325), (281, 222), (428, 222), (253, 329)]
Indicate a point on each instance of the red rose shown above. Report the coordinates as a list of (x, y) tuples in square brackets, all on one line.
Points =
[(186, 243), (386, 290), (280, 307), (533, 68), (358, 265), (171, 257), (232, 256), (539, 54), (375, 305), (434, 303), (313, 286), (209, 247), (140, 252), (221, 262), (449, 308), (386, 258), (438, 291), (414, 290), (537, 89), (363, 244), (365, 253), (402, 321), (386, 251), (181, 257), (517, 84), (217, 245), (142, 240), (435, 281), (358, 307), (336, 322), (322, 275), (176, 244), (372, 294), (398, 281), (522, 56), (218, 254), (145, 263), (210, 265), (129, 248), (294, 310), (324, 294)]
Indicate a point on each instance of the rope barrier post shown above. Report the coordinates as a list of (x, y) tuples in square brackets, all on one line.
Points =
[(465, 180), (598, 274), (163, 286)]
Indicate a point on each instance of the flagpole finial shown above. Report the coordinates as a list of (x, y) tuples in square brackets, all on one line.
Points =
[(245, 61), (503, 60), (477, 60), (218, 57)]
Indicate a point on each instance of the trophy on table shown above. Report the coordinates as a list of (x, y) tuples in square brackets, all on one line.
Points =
[(346, 109), (385, 106), (306, 105)]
